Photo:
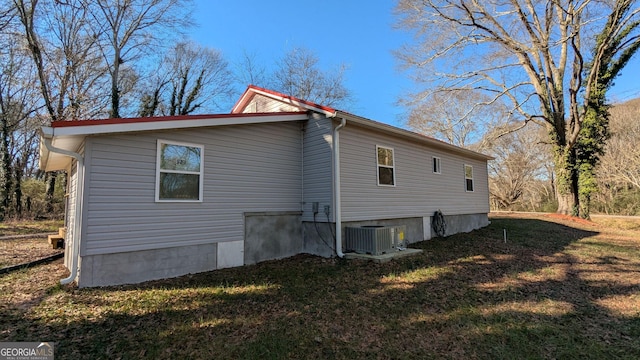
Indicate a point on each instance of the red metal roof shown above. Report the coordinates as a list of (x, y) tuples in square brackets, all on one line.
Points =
[(113, 121)]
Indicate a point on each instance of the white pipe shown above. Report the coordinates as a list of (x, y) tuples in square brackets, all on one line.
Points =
[(336, 186), (75, 252)]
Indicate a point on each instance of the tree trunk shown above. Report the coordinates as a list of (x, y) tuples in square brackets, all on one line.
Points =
[(50, 189), (115, 89), (115, 99), (566, 186), (19, 169), (7, 172), (567, 204)]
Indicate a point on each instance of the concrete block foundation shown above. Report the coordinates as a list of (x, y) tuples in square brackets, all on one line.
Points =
[(272, 235), (464, 223), (319, 238), (268, 236), (138, 266)]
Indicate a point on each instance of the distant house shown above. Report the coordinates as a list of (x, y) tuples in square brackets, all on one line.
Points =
[(159, 197)]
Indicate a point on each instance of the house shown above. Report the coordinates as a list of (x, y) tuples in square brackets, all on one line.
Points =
[(160, 197)]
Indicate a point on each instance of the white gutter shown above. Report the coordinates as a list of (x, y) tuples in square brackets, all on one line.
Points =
[(336, 186), (75, 250)]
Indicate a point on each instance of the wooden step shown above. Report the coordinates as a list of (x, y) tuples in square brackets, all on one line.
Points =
[(57, 241)]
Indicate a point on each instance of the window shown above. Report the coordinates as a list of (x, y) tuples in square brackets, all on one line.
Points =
[(179, 171), (436, 165), (386, 167), (468, 177)]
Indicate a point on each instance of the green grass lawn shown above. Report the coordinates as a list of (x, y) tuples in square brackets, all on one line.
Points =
[(557, 289)]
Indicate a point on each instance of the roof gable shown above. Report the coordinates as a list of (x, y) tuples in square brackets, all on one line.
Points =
[(257, 99)]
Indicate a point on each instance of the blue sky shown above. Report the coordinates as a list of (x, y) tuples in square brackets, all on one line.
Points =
[(355, 33)]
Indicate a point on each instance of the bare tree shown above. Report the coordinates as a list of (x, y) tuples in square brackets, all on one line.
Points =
[(75, 64), (190, 79), (538, 57), (298, 74), (27, 14), (62, 50), (249, 71), (20, 104), (129, 29), (17, 104), (518, 169), (65, 56), (620, 166), (82, 55), (455, 117)]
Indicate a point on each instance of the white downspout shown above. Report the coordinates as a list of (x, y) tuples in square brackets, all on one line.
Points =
[(336, 186), (75, 252)]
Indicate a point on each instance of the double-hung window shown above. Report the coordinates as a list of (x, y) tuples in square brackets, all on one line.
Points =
[(179, 172), (386, 166), (468, 177)]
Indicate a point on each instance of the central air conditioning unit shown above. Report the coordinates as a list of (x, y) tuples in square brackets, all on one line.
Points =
[(375, 239)]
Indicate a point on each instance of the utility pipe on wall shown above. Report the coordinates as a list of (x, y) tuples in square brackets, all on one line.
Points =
[(336, 186), (75, 251)]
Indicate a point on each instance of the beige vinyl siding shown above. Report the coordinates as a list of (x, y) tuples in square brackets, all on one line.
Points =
[(318, 178), (418, 191), (253, 168), (263, 104)]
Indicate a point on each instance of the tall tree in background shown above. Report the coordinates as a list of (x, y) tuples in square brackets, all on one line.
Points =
[(129, 29), (190, 78), (75, 68), (249, 71), (299, 74), (618, 173), (18, 103), (78, 47), (613, 49), (63, 51), (518, 168), (455, 116), (534, 56)]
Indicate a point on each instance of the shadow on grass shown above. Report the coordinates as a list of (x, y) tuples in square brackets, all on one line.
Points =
[(545, 293)]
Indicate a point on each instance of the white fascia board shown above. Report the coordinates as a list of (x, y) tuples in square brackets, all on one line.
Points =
[(172, 124), (43, 159), (242, 102)]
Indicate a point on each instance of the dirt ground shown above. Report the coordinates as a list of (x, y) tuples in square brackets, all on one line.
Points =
[(20, 251)]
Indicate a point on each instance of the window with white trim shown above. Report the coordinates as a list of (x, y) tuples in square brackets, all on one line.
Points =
[(179, 171), (468, 177), (436, 165), (386, 166)]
